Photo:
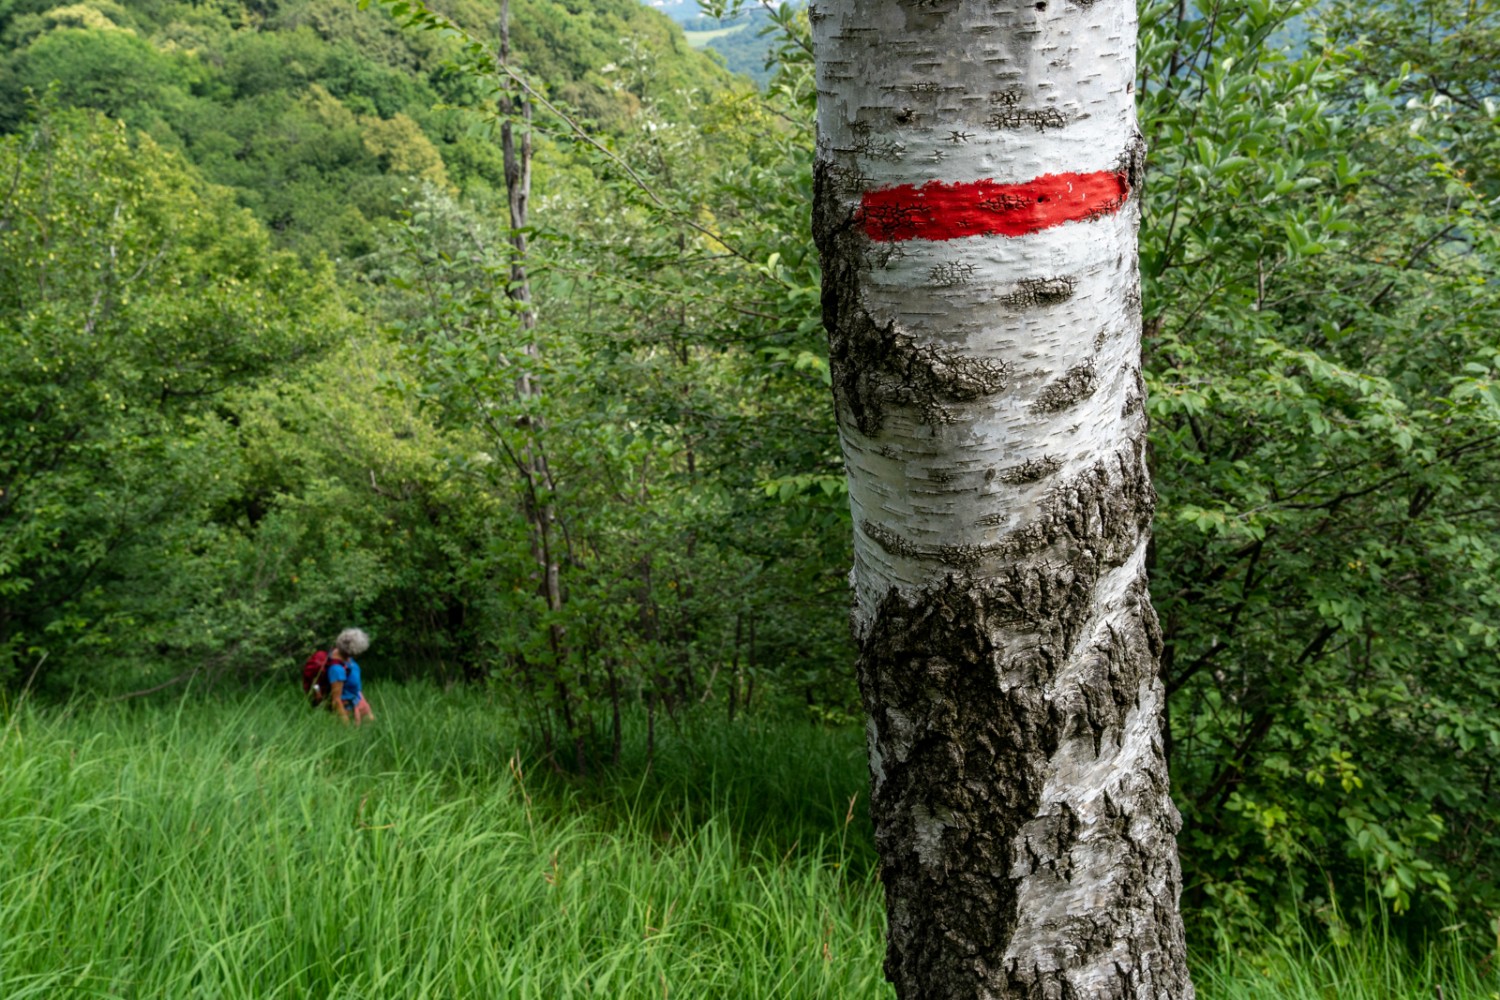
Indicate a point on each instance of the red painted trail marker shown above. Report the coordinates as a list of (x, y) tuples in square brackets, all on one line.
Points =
[(942, 211)]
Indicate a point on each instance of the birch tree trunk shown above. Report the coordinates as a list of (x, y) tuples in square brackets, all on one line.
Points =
[(976, 162)]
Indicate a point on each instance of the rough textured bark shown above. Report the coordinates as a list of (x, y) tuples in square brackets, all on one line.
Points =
[(976, 168)]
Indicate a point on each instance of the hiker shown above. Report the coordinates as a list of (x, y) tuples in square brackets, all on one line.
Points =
[(346, 692)]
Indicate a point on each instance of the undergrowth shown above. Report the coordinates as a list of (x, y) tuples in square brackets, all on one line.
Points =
[(247, 847)]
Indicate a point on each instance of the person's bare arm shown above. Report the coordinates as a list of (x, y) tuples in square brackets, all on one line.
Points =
[(337, 694)]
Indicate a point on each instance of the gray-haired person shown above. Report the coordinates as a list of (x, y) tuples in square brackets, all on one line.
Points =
[(347, 693)]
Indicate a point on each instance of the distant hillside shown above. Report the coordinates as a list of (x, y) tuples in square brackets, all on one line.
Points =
[(316, 113), (738, 40)]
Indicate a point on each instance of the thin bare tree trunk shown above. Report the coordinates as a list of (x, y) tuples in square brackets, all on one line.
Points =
[(734, 671), (516, 150), (974, 210)]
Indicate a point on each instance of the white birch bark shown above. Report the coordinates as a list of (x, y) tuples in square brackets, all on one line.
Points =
[(990, 409)]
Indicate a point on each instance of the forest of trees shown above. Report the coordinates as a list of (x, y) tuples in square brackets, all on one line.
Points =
[(261, 368)]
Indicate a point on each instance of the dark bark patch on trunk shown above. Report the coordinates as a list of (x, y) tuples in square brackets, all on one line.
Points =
[(889, 540), (1135, 397), (1132, 161), (1036, 292), (1032, 470), (875, 366), (849, 180), (1096, 503), (970, 689), (893, 370), (1077, 384), (960, 556), (1109, 493), (950, 273), (875, 147), (1007, 113)]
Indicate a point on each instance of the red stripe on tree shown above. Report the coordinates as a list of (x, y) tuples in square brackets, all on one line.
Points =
[(942, 211)]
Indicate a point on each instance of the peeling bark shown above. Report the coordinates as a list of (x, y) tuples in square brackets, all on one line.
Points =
[(974, 210)]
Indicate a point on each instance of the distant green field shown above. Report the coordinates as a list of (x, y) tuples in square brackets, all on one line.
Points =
[(247, 847), (698, 39)]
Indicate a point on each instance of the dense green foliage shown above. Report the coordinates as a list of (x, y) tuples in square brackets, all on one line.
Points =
[(318, 114), (258, 299), (246, 848), (256, 511), (134, 299), (1321, 362)]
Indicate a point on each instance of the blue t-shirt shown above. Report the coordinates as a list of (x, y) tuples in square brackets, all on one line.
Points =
[(348, 672)]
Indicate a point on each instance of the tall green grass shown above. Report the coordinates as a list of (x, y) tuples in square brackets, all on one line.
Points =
[(250, 848), (1374, 966), (255, 849)]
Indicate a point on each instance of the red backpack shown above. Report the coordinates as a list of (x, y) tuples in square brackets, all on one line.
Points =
[(315, 675)]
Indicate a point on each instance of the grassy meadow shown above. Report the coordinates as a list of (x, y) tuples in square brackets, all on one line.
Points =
[(247, 847)]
